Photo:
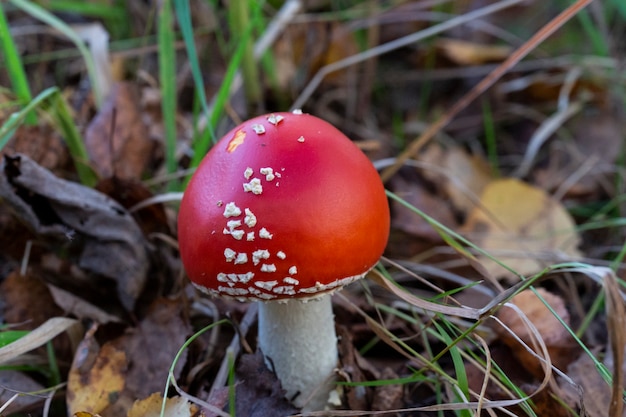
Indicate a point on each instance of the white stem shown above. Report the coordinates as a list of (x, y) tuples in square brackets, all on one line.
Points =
[(299, 343)]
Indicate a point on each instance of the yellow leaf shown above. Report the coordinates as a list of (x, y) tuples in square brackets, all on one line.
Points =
[(151, 407), (93, 384), (523, 227), (471, 53)]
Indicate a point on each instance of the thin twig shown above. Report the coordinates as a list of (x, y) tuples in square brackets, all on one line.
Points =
[(396, 44), (485, 83)]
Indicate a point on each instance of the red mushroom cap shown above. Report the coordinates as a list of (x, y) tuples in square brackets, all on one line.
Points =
[(284, 206)]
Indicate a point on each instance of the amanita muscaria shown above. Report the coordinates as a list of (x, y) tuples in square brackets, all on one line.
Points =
[(285, 210)]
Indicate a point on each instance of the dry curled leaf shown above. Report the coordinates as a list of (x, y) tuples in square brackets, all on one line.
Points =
[(112, 243), (523, 227)]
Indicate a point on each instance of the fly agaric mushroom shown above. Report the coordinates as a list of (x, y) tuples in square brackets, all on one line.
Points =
[(285, 207)]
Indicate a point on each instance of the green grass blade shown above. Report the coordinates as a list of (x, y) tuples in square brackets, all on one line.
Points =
[(63, 118), (51, 20), (239, 17), (167, 78), (457, 361), (100, 10), (183, 13), (15, 66), (16, 119), (170, 374), (201, 146), (9, 336)]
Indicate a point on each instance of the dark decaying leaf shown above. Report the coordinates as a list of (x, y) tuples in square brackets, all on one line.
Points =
[(259, 393), (116, 139), (114, 246)]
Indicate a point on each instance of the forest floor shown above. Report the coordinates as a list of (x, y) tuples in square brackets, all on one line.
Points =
[(498, 129)]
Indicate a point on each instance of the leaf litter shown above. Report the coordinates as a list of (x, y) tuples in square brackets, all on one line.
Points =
[(83, 257)]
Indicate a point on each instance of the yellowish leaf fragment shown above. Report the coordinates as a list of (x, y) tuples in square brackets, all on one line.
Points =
[(93, 383), (151, 407), (471, 53), (523, 227)]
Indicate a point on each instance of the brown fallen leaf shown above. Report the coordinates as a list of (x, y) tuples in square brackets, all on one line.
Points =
[(559, 343), (26, 301), (116, 138), (523, 227), (42, 144), (596, 393), (112, 244)]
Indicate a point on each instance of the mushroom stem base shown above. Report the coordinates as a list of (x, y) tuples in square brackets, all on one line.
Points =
[(299, 343)]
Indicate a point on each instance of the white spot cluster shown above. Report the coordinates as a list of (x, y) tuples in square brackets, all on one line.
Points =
[(297, 111), (301, 139), (231, 229), (232, 279), (260, 254), (268, 172), (242, 221)]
